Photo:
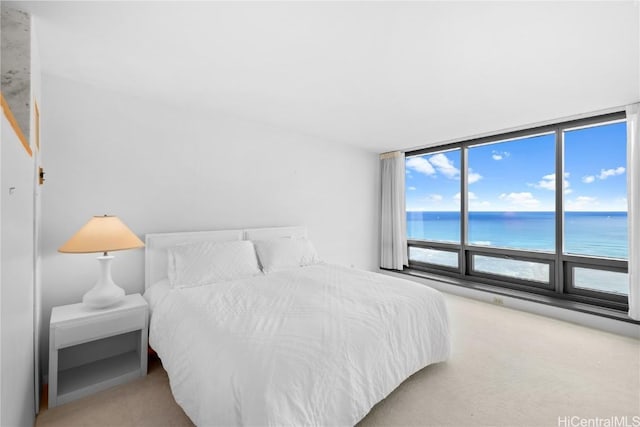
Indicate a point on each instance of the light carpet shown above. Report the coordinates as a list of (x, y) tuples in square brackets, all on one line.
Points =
[(508, 368)]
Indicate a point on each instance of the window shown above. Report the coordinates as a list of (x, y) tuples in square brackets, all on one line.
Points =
[(595, 214), (433, 197), (601, 280), (511, 199), (542, 210), (531, 271), (442, 258)]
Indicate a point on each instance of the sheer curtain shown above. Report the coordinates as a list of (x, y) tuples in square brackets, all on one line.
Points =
[(393, 217), (633, 214)]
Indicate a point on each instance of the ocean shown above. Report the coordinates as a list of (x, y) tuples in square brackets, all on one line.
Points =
[(602, 234)]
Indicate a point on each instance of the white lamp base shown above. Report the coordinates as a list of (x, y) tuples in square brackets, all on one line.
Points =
[(105, 293)]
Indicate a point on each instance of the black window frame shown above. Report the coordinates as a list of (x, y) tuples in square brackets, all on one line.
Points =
[(438, 246), (560, 264), (509, 255)]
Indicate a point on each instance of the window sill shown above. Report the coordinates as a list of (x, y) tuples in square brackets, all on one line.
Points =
[(522, 295)]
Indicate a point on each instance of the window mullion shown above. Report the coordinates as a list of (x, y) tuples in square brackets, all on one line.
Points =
[(559, 265), (464, 209)]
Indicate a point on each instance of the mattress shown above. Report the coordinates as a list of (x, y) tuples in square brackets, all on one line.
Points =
[(316, 345)]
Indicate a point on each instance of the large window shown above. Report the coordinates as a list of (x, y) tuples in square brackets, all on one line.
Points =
[(513, 205), (433, 196), (595, 215), (542, 210)]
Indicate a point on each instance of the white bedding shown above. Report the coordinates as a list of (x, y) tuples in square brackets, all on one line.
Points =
[(316, 345)]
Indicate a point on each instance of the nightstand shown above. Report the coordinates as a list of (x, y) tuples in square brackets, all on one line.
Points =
[(94, 349)]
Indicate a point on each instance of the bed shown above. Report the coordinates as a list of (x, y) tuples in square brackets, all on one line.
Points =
[(302, 344)]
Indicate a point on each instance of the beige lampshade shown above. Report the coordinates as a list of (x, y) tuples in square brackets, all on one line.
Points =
[(102, 234)]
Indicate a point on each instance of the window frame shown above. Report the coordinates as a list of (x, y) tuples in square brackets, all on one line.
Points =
[(438, 246), (560, 264), (509, 254), (617, 266)]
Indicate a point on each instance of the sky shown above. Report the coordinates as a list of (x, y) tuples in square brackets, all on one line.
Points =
[(519, 175)]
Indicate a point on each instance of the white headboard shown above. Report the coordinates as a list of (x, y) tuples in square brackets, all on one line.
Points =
[(156, 244)]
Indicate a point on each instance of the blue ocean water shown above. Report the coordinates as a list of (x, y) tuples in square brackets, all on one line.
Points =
[(602, 234)]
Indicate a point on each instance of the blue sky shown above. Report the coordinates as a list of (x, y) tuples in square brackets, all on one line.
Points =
[(518, 175)]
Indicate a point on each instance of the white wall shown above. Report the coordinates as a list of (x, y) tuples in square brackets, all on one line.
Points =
[(1, 188), (170, 168), (17, 281), (36, 97), (18, 399)]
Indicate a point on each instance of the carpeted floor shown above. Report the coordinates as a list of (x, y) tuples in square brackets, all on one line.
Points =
[(508, 368)]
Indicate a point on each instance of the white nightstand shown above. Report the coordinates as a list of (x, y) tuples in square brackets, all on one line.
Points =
[(91, 350)]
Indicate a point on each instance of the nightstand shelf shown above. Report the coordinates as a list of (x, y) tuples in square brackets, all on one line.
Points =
[(92, 350), (95, 376)]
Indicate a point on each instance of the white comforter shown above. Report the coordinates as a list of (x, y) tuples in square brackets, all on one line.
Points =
[(317, 345)]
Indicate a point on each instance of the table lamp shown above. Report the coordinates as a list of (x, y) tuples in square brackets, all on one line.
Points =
[(102, 234)]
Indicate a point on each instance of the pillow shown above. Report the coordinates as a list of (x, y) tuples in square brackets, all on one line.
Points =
[(209, 262), (156, 293), (285, 253)]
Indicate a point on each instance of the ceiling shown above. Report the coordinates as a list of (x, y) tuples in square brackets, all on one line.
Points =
[(378, 75)]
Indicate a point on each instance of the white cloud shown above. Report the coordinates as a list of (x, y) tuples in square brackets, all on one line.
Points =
[(499, 155), (470, 196), (412, 188), (548, 182), (617, 204), (605, 173), (434, 198), (473, 176), (523, 199), (581, 203), (444, 165), (420, 164), (440, 163), (567, 190), (474, 202)]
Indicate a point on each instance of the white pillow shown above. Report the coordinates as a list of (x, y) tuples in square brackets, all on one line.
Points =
[(209, 262), (285, 253)]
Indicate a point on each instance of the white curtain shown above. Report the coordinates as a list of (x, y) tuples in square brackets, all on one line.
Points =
[(393, 221), (633, 214)]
